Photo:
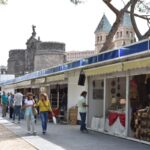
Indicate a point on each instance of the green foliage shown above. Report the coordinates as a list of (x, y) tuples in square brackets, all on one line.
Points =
[(143, 6), (76, 2), (3, 2)]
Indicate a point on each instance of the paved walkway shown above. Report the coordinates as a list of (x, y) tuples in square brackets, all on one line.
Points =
[(65, 137), (10, 141)]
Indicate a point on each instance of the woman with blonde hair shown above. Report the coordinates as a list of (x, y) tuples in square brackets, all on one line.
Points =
[(44, 108), (28, 105)]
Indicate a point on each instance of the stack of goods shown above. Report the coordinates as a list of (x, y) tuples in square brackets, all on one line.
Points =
[(73, 112), (142, 124)]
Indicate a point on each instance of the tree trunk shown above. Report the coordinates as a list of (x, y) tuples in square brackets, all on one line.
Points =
[(108, 44), (119, 16)]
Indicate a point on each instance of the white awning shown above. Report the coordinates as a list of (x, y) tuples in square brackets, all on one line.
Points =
[(24, 83), (60, 77), (104, 69), (135, 64), (11, 86), (40, 80)]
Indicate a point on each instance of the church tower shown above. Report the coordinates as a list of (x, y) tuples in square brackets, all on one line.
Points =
[(125, 33), (101, 32)]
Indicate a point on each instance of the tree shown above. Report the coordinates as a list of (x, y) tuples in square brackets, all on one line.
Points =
[(3, 1), (135, 8)]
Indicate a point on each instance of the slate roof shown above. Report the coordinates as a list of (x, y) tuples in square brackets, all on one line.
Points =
[(126, 22), (104, 25)]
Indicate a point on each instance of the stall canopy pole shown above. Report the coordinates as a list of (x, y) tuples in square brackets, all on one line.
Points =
[(127, 105), (104, 104)]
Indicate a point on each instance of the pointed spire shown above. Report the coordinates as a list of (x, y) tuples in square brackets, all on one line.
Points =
[(126, 21), (104, 25)]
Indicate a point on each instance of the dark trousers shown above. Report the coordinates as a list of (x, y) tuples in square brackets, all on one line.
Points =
[(11, 110), (17, 111), (44, 119), (82, 123)]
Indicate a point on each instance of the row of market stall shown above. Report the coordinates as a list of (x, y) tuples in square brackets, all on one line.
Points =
[(118, 85)]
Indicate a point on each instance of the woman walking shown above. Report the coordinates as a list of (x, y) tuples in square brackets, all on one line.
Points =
[(28, 105), (44, 108)]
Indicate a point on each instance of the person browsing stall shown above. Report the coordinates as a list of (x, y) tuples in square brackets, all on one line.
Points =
[(82, 110)]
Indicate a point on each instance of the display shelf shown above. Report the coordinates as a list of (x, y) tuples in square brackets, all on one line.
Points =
[(142, 124)]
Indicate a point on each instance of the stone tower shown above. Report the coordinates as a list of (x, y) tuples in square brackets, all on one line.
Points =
[(125, 34), (32, 45), (49, 54), (38, 55), (16, 62), (101, 32)]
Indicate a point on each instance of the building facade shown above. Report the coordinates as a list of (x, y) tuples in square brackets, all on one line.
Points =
[(38, 55), (124, 35)]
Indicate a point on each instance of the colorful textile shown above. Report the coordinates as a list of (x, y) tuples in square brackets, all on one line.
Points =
[(112, 117)]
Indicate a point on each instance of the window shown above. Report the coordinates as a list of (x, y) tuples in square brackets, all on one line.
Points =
[(98, 39), (117, 36), (127, 33), (121, 34), (101, 38), (131, 34)]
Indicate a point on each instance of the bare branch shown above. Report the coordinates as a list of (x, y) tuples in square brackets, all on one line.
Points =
[(147, 34), (119, 16), (3, 2), (107, 2), (133, 3), (76, 2)]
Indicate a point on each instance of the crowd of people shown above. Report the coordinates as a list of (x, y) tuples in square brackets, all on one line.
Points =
[(27, 106)]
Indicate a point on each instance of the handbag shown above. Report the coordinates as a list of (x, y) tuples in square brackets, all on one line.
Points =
[(34, 110)]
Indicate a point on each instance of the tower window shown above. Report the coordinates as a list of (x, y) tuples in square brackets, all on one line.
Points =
[(98, 39), (127, 33), (101, 38), (121, 34), (131, 34), (117, 35)]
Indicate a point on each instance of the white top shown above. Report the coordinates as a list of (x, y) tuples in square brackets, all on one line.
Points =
[(18, 99), (29, 102), (28, 109), (81, 101)]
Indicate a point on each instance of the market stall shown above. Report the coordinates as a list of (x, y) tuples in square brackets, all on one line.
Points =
[(116, 106), (140, 107)]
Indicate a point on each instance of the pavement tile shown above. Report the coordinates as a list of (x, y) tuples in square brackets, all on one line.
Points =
[(10, 141)]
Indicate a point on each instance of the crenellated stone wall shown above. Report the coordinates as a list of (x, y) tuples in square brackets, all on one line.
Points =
[(16, 62), (45, 59), (52, 46), (38, 55)]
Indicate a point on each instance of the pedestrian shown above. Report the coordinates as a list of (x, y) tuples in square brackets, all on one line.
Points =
[(29, 116), (44, 108), (4, 101), (11, 103), (22, 114), (36, 108), (18, 98), (82, 111)]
